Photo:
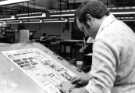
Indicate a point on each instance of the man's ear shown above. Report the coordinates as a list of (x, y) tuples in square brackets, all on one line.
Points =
[(88, 20), (89, 17)]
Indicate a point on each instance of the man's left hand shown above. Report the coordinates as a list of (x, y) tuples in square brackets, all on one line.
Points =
[(78, 90)]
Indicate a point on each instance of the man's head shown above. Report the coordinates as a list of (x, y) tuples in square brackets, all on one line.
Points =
[(90, 15)]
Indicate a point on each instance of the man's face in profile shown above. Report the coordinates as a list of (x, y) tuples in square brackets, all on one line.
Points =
[(88, 28)]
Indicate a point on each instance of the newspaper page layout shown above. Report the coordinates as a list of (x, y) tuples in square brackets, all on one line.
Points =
[(41, 67)]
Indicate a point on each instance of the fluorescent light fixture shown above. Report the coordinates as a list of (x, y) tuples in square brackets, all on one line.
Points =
[(62, 15), (122, 13), (28, 14), (31, 17), (121, 8), (62, 11), (43, 15), (55, 21), (31, 22), (10, 18), (6, 2), (3, 19)]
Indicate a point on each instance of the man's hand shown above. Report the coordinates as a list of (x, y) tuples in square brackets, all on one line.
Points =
[(67, 87), (76, 85), (81, 81), (78, 90)]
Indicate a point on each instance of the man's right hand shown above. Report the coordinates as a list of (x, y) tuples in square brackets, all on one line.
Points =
[(80, 81)]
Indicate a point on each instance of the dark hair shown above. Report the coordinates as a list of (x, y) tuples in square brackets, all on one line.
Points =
[(95, 8)]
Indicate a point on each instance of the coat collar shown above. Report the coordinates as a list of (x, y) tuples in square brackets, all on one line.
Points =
[(108, 20)]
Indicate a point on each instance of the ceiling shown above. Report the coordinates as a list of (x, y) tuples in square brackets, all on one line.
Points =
[(33, 6), (36, 6), (42, 5)]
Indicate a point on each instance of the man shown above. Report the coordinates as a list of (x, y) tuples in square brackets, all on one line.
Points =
[(113, 60)]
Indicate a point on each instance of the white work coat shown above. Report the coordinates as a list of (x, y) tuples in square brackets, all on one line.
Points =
[(113, 60)]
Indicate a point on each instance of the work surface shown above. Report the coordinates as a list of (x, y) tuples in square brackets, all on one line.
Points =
[(32, 68)]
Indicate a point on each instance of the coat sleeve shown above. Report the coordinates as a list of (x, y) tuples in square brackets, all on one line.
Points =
[(104, 64)]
